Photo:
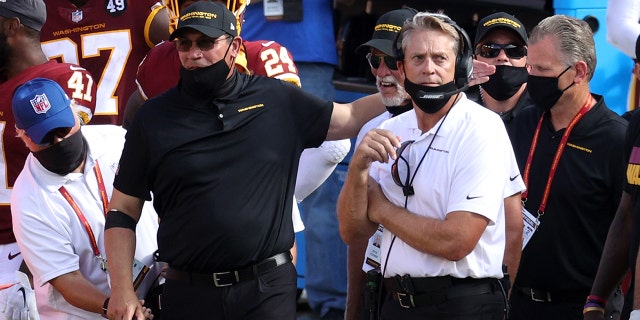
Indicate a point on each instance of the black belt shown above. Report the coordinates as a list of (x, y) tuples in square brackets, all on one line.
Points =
[(227, 278), (553, 296), (416, 292)]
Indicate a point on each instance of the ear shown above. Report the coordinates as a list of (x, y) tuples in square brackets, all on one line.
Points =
[(11, 26), (581, 72), (235, 46)]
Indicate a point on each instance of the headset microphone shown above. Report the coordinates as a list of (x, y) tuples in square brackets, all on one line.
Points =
[(439, 95)]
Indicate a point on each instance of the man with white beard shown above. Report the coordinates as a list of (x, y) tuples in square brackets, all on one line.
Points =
[(380, 55)]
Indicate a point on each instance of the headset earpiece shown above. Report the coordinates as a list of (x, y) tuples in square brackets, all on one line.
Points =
[(464, 59), (397, 48)]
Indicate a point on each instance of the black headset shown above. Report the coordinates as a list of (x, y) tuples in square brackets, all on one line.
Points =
[(464, 58)]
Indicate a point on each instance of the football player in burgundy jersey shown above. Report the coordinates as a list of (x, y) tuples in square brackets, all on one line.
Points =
[(22, 59), (108, 38), (159, 70)]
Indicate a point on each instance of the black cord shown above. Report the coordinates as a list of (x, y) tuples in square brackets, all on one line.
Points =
[(406, 201)]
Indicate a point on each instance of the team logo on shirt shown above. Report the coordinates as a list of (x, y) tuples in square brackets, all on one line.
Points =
[(633, 169), (77, 16), (115, 7), (40, 103)]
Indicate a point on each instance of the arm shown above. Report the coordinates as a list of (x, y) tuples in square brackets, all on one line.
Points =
[(613, 263), (347, 119), (377, 145), (133, 104), (513, 234), (452, 238), (355, 279), (120, 244), (316, 164), (623, 27), (79, 292)]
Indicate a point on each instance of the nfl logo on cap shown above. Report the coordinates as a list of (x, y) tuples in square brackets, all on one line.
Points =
[(40, 103)]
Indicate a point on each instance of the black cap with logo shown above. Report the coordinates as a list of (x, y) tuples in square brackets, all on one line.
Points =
[(211, 18), (500, 20), (385, 31)]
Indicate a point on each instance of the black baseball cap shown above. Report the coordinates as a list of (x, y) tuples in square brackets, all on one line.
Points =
[(500, 20), (385, 31), (32, 13), (211, 18)]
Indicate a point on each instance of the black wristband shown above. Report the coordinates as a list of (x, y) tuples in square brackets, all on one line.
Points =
[(119, 219), (105, 306)]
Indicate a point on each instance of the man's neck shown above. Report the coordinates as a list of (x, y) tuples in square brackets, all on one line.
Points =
[(25, 55), (564, 111)]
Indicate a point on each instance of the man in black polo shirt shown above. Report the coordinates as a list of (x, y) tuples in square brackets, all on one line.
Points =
[(219, 152), (569, 147)]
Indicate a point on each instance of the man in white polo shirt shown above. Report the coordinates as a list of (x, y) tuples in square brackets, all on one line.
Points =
[(439, 194), (59, 202)]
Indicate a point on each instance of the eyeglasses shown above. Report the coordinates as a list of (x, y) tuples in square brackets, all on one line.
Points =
[(374, 61), (204, 43), (397, 167), (492, 50)]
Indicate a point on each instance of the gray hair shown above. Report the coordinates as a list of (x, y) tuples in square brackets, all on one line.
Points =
[(430, 21), (573, 39)]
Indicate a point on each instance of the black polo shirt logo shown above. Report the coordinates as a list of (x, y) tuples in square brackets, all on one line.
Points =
[(633, 169), (255, 106)]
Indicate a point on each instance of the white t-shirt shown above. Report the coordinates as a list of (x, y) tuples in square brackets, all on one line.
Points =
[(50, 235), (465, 170)]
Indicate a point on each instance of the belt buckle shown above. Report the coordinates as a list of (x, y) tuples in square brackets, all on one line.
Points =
[(217, 275), (401, 300), (546, 298)]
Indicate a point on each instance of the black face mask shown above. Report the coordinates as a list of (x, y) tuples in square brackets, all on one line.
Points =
[(430, 99), (507, 80), (544, 90), (65, 156), (207, 81), (400, 109)]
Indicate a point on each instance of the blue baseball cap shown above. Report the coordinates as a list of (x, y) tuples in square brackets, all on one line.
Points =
[(41, 105)]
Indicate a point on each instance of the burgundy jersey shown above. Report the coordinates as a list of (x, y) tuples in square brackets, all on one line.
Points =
[(109, 38), (160, 70), (79, 86)]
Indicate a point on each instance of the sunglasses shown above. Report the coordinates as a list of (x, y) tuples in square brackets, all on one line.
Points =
[(374, 61), (203, 43), (492, 50), (403, 165)]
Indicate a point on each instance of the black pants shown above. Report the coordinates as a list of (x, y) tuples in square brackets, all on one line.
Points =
[(524, 308), (489, 306), (271, 296)]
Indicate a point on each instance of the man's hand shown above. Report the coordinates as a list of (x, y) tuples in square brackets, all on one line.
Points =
[(481, 72), (18, 300), (123, 304), (377, 145)]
